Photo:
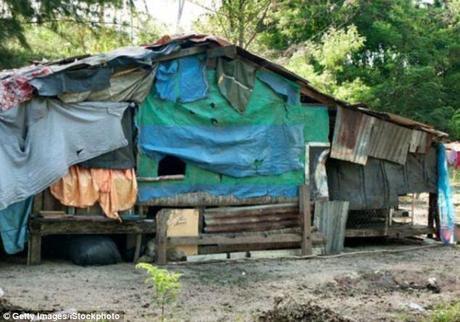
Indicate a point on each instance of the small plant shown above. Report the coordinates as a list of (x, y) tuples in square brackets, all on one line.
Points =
[(166, 285), (446, 313)]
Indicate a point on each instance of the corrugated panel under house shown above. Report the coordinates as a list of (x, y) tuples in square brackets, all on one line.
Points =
[(352, 133), (330, 218), (389, 142)]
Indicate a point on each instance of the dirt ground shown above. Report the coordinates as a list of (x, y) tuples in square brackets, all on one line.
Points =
[(388, 286)]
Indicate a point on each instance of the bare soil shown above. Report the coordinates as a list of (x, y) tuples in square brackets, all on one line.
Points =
[(380, 286)]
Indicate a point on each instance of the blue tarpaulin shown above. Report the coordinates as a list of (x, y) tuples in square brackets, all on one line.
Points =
[(445, 202), (238, 150), (282, 86), (13, 225), (182, 79)]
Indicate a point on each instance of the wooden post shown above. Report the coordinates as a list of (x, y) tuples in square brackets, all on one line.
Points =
[(433, 214), (137, 250), (34, 252), (305, 219), (161, 237)]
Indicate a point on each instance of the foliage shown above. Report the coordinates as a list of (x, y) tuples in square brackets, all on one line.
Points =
[(445, 313), (92, 31), (165, 285), (239, 21), (320, 62), (401, 56)]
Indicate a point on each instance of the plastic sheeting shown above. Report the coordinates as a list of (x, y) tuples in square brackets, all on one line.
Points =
[(265, 108), (42, 139), (288, 89), (238, 151), (182, 79), (73, 81), (129, 85), (235, 79), (122, 158), (445, 202), (13, 225)]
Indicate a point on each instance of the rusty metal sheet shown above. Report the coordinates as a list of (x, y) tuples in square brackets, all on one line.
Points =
[(390, 142), (352, 134), (420, 142)]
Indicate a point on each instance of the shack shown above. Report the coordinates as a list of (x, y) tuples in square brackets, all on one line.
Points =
[(204, 145)]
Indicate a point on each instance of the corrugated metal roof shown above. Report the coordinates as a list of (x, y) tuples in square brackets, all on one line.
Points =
[(389, 141), (352, 133)]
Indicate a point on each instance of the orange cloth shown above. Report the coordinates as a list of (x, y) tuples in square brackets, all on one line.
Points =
[(116, 190)]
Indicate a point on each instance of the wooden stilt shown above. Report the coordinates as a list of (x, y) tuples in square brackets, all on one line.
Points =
[(161, 237), (305, 215)]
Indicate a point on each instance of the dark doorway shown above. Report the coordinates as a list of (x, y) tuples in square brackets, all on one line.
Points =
[(171, 165)]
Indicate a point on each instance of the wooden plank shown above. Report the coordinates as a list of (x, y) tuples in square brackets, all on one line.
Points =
[(222, 239), (283, 208), (161, 239), (34, 252), (250, 219), (137, 250), (433, 213), (227, 51), (252, 226), (393, 231), (161, 178), (83, 227), (213, 249), (305, 215)]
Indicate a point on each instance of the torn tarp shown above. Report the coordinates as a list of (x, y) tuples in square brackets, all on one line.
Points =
[(182, 80), (235, 79), (40, 140), (282, 86), (131, 85), (13, 225), (14, 85), (122, 158), (73, 81), (238, 151)]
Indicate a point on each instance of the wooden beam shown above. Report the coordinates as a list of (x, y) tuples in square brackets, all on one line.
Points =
[(161, 239), (260, 226), (34, 252), (250, 219), (433, 214), (227, 212), (305, 215), (222, 239)]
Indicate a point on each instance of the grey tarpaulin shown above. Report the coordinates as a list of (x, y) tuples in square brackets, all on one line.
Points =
[(42, 138), (73, 81), (122, 158), (235, 79), (378, 184), (131, 85)]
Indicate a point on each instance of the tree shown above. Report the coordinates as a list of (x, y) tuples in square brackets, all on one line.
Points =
[(239, 21), (409, 62)]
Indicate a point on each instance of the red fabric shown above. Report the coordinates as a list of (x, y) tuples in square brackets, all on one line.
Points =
[(15, 89)]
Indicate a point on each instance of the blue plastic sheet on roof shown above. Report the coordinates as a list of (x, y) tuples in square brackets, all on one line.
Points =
[(182, 79), (13, 225), (445, 202), (237, 150), (281, 86)]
